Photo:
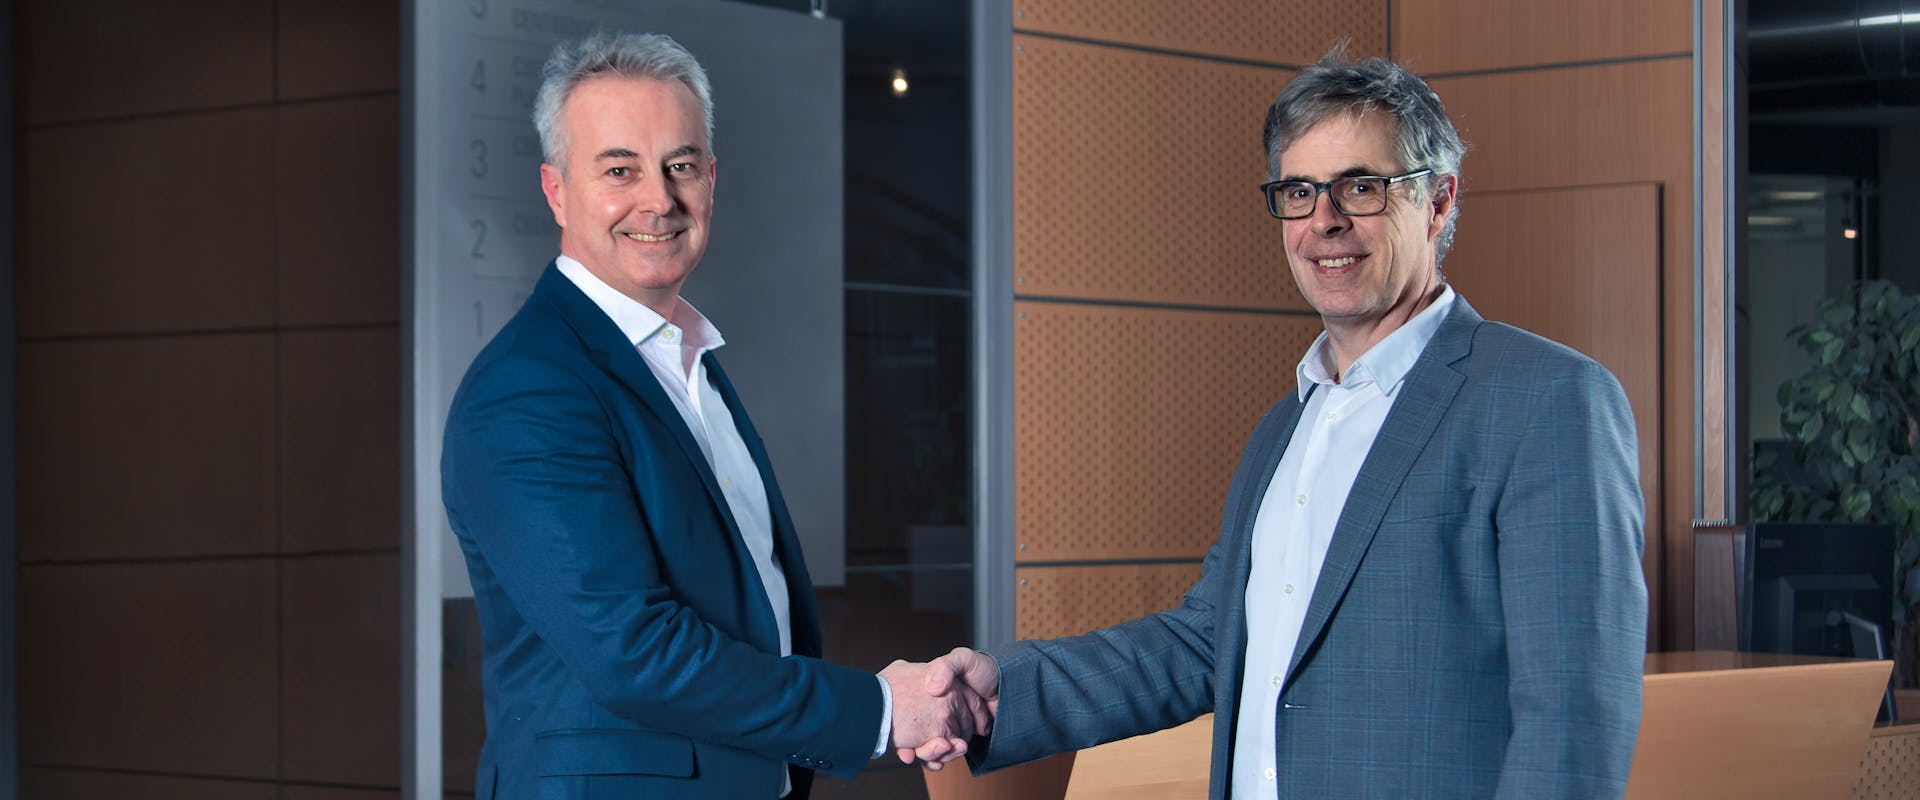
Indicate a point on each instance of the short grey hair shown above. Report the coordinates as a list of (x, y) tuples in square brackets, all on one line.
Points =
[(1337, 86), (626, 55)]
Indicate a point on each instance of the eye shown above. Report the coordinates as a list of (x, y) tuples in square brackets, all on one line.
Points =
[(619, 172), (1358, 188), (1297, 191), (680, 167)]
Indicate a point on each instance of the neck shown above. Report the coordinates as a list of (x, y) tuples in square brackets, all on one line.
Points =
[(1349, 339)]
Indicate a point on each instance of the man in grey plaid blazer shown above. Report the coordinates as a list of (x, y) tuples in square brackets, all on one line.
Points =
[(1428, 580)]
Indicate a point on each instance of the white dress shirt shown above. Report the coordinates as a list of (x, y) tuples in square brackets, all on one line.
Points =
[(1295, 523), (672, 348)]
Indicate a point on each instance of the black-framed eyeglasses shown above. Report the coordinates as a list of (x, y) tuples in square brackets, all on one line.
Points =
[(1356, 196)]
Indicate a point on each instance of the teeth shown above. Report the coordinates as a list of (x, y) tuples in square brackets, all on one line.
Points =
[(643, 237), (1334, 262)]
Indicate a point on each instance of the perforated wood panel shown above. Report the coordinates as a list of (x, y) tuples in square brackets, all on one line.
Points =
[(1128, 423), (1063, 601), (1261, 30), (1136, 177), (1581, 267), (1891, 768), (1434, 36)]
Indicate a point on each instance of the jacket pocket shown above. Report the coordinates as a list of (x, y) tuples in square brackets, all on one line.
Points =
[(589, 751)]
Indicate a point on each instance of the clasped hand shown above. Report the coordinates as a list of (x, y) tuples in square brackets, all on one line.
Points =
[(939, 706)]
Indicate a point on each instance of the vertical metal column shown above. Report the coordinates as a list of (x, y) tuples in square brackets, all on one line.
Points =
[(992, 78), (9, 542)]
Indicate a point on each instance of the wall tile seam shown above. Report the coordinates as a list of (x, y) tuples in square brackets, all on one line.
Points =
[(1162, 51), (188, 333), (1106, 302), (1554, 66), (210, 558), (36, 126), (203, 776)]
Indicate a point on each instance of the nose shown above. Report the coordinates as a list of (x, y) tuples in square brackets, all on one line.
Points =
[(653, 194), (1327, 219)]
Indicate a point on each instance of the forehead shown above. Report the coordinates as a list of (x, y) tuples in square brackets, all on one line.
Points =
[(1341, 144), (621, 107)]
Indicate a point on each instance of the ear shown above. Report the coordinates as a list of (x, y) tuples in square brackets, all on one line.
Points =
[(551, 183), (1444, 192)]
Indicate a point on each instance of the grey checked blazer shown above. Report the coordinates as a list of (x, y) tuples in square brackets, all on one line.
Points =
[(1479, 625)]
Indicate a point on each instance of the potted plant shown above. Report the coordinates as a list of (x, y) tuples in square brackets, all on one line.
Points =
[(1852, 419)]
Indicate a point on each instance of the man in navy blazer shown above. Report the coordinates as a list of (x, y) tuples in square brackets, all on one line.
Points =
[(1427, 582), (648, 623)]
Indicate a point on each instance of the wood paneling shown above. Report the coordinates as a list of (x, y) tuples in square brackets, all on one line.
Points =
[(1129, 422), (337, 227), (339, 448), (147, 226), (1891, 769), (147, 448), (1286, 33), (164, 667), (87, 59), (41, 782), (340, 669), (1580, 267), (1136, 177), (338, 47), (1064, 601), (1441, 36)]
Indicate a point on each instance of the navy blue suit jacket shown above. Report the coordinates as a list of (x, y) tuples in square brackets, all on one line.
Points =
[(1478, 628), (630, 650)]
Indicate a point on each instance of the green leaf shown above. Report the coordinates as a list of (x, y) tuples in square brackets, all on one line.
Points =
[(1830, 355), (1860, 410), (1821, 337), (1856, 504)]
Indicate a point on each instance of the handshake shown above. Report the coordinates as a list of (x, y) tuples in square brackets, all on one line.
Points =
[(939, 706)]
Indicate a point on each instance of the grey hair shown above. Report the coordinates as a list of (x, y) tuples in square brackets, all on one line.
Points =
[(627, 55), (1425, 138)]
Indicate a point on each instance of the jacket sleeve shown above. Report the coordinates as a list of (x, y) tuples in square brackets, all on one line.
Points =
[(535, 481), (1570, 532)]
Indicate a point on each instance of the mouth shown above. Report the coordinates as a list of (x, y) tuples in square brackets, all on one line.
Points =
[(1334, 263), (652, 237)]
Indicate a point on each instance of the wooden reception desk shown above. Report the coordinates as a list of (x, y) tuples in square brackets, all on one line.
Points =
[(1713, 724)]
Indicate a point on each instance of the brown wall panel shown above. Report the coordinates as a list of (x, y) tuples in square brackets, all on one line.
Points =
[(147, 448), (339, 453), (340, 671), (337, 227), (1136, 177), (1258, 30), (84, 59), (1441, 36), (150, 225), (1129, 422), (1065, 601), (1581, 267), (338, 47), (163, 667), (61, 783)]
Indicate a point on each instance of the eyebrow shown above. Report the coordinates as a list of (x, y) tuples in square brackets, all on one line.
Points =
[(621, 152), (1350, 172)]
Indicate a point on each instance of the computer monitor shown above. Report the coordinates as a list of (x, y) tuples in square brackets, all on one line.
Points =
[(1818, 589)]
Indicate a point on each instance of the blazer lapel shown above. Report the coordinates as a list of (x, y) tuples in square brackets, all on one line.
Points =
[(803, 615), (604, 339), (1429, 390)]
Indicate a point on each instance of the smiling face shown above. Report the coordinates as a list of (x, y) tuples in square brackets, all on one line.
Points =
[(1366, 275), (635, 197)]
